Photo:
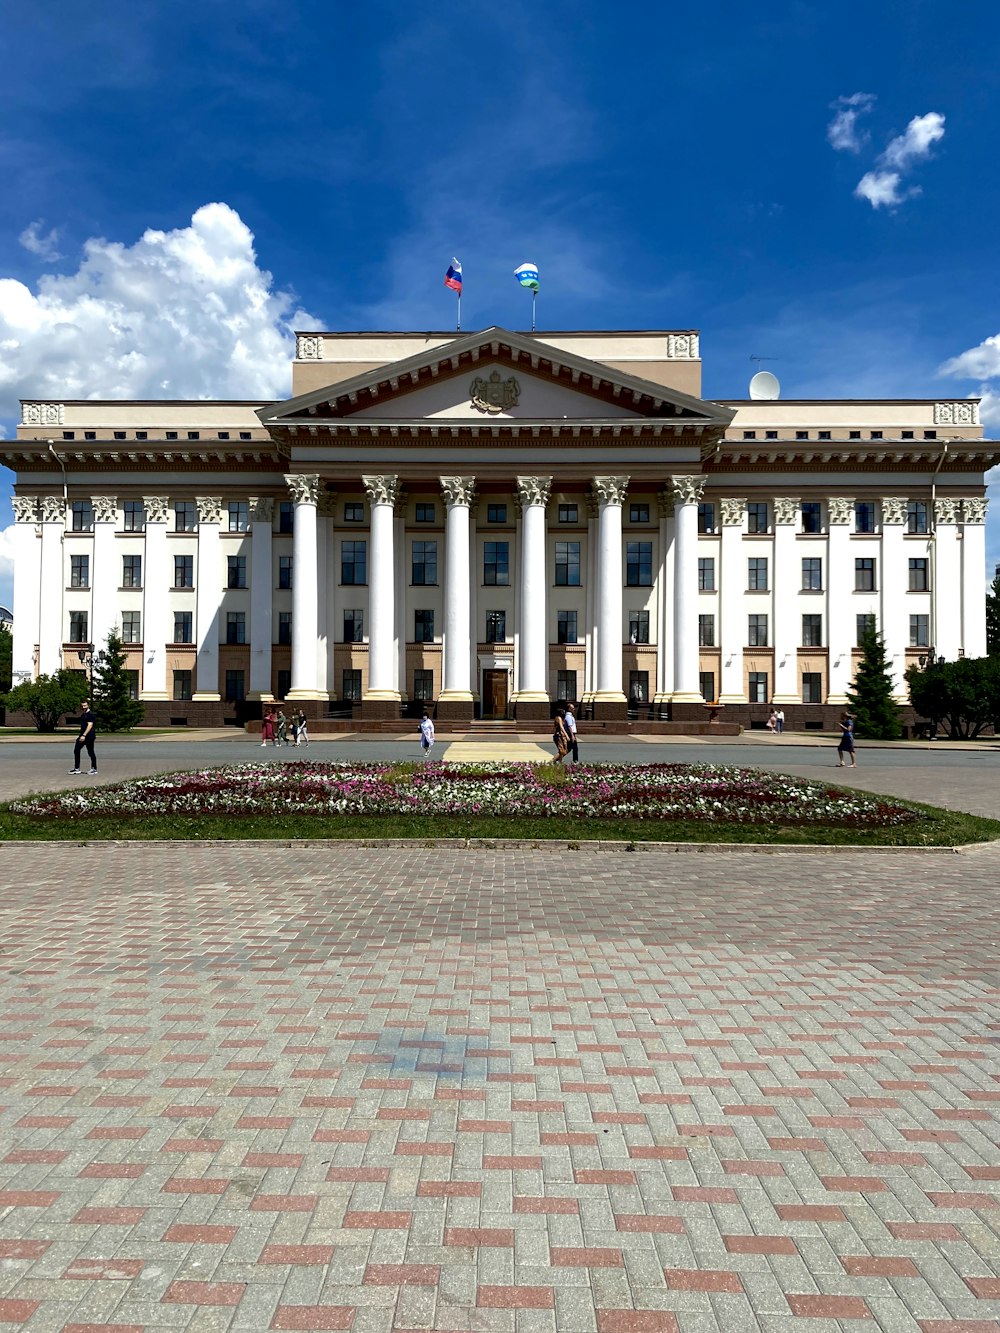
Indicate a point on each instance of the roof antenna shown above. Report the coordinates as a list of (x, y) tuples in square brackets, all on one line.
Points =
[(764, 385)]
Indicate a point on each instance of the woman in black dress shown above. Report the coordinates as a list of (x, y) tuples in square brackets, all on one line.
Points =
[(846, 745)]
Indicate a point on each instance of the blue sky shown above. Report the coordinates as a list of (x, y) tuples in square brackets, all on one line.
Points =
[(665, 166)]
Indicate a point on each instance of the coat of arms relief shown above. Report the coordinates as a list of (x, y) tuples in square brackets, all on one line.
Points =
[(494, 394)]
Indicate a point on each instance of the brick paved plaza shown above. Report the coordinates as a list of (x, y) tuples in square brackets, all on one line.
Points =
[(252, 1088)]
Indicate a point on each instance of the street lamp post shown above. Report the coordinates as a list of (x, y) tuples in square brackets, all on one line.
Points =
[(86, 656)]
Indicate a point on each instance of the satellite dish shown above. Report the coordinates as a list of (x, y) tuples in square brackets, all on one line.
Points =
[(765, 386)]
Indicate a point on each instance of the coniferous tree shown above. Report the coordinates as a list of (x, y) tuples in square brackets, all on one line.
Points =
[(993, 616), (875, 711), (115, 708)]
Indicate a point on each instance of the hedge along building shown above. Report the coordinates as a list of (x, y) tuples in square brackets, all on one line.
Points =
[(493, 523)]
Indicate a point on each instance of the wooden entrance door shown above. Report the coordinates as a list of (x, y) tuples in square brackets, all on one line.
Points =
[(494, 694)]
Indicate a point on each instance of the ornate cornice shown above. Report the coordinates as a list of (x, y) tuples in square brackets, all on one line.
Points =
[(947, 510), (303, 486), (209, 508), (733, 510), (53, 509), (974, 511), (458, 490), (533, 490), (688, 490), (157, 508), (786, 510), (610, 490), (42, 414), (840, 509), (261, 509), (683, 346), (309, 347), (382, 489), (893, 510), (958, 412), (105, 508), (25, 508)]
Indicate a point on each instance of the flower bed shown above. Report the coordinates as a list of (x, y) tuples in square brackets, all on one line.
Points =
[(707, 793)]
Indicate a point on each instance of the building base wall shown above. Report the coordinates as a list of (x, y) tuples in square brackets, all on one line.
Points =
[(526, 710), (453, 710)]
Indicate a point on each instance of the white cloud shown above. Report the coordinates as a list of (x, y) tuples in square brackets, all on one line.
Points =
[(184, 313), (45, 246), (842, 131), (883, 187), (982, 362), (7, 565)]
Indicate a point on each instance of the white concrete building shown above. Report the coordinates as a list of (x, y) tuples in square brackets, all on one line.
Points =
[(495, 522)]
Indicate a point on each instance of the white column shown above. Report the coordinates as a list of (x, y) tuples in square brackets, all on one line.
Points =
[(106, 576), (261, 603), (946, 626), (400, 629), (665, 602), (533, 646), (973, 577), (305, 619), (840, 612), (208, 599), (382, 494), (610, 493), (785, 613), (27, 588), (732, 582), (456, 680), (590, 635), (52, 631), (893, 584), (324, 609), (687, 492), (156, 632)]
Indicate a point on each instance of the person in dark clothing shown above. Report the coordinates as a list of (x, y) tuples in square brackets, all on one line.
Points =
[(88, 729)]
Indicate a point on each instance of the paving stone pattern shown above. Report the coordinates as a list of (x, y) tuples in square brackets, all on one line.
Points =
[(344, 1088)]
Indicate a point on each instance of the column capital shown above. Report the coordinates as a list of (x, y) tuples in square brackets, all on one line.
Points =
[(105, 508), (381, 489), (610, 490), (974, 510), (25, 508), (458, 490), (947, 510), (261, 509), (786, 510), (209, 508), (688, 490), (303, 486), (893, 509), (733, 509), (156, 507), (53, 509), (533, 490), (840, 509)]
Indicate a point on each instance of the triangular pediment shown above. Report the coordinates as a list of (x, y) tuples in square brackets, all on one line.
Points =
[(495, 375)]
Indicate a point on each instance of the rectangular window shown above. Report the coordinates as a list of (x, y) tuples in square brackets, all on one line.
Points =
[(638, 687), (812, 574), (131, 571), (812, 631), (351, 691), (354, 626), (235, 687), (284, 682), (132, 677), (131, 627), (706, 573), (425, 563), (135, 515), (864, 516), (639, 564), (638, 513), (496, 569), (496, 513), (638, 627), (354, 512), (706, 517), (496, 626), (239, 515), (286, 517), (812, 516), (182, 684), (569, 514), (424, 512), (236, 627), (284, 571), (183, 571), (757, 631), (82, 516), (864, 575), (757, 574), (567, 564), (79, 571), (284, 627), (706, 631), (185, 516), (920, 635), (423, 626), (812, 687), (236, 567), (706, 686), (916, 517), (918, 575), (758, 687), (423, 681), (863, 624), (354, 562), (183, 627), (78, 627), (757, 517), (566, 627), (565, 686)]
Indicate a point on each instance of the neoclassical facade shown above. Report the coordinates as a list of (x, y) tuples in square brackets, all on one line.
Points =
[(492, 523)]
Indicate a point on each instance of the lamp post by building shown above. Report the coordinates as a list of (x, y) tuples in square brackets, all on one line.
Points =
[(86, 656)]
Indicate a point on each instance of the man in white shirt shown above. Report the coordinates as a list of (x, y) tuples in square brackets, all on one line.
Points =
[(569, 722)]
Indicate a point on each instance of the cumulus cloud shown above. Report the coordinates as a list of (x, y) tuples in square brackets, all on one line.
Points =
[(186, 313), (7, 565), (842, 131), (980, 363), (44, 245), (883, 187)]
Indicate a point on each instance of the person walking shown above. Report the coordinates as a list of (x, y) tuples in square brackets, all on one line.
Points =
[(281, 737), (301, 728), (426, 734), (772, 721), (779, 720), (560, 736), (88, 730), (569, 722), (267, 728), (846, 745)]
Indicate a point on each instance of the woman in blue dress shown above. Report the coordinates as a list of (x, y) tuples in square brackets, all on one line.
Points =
[(846, 745)]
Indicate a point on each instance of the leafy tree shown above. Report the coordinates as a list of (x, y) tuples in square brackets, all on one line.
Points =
[(993, 616), (964, 694), (48, 698), (6, 656), (875, 711), (115, 709)]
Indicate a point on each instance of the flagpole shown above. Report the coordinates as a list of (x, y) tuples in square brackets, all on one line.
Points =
[(458, 322), (534, 296)]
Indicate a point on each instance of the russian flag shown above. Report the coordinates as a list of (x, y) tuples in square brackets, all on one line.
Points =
[(453, 278)]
